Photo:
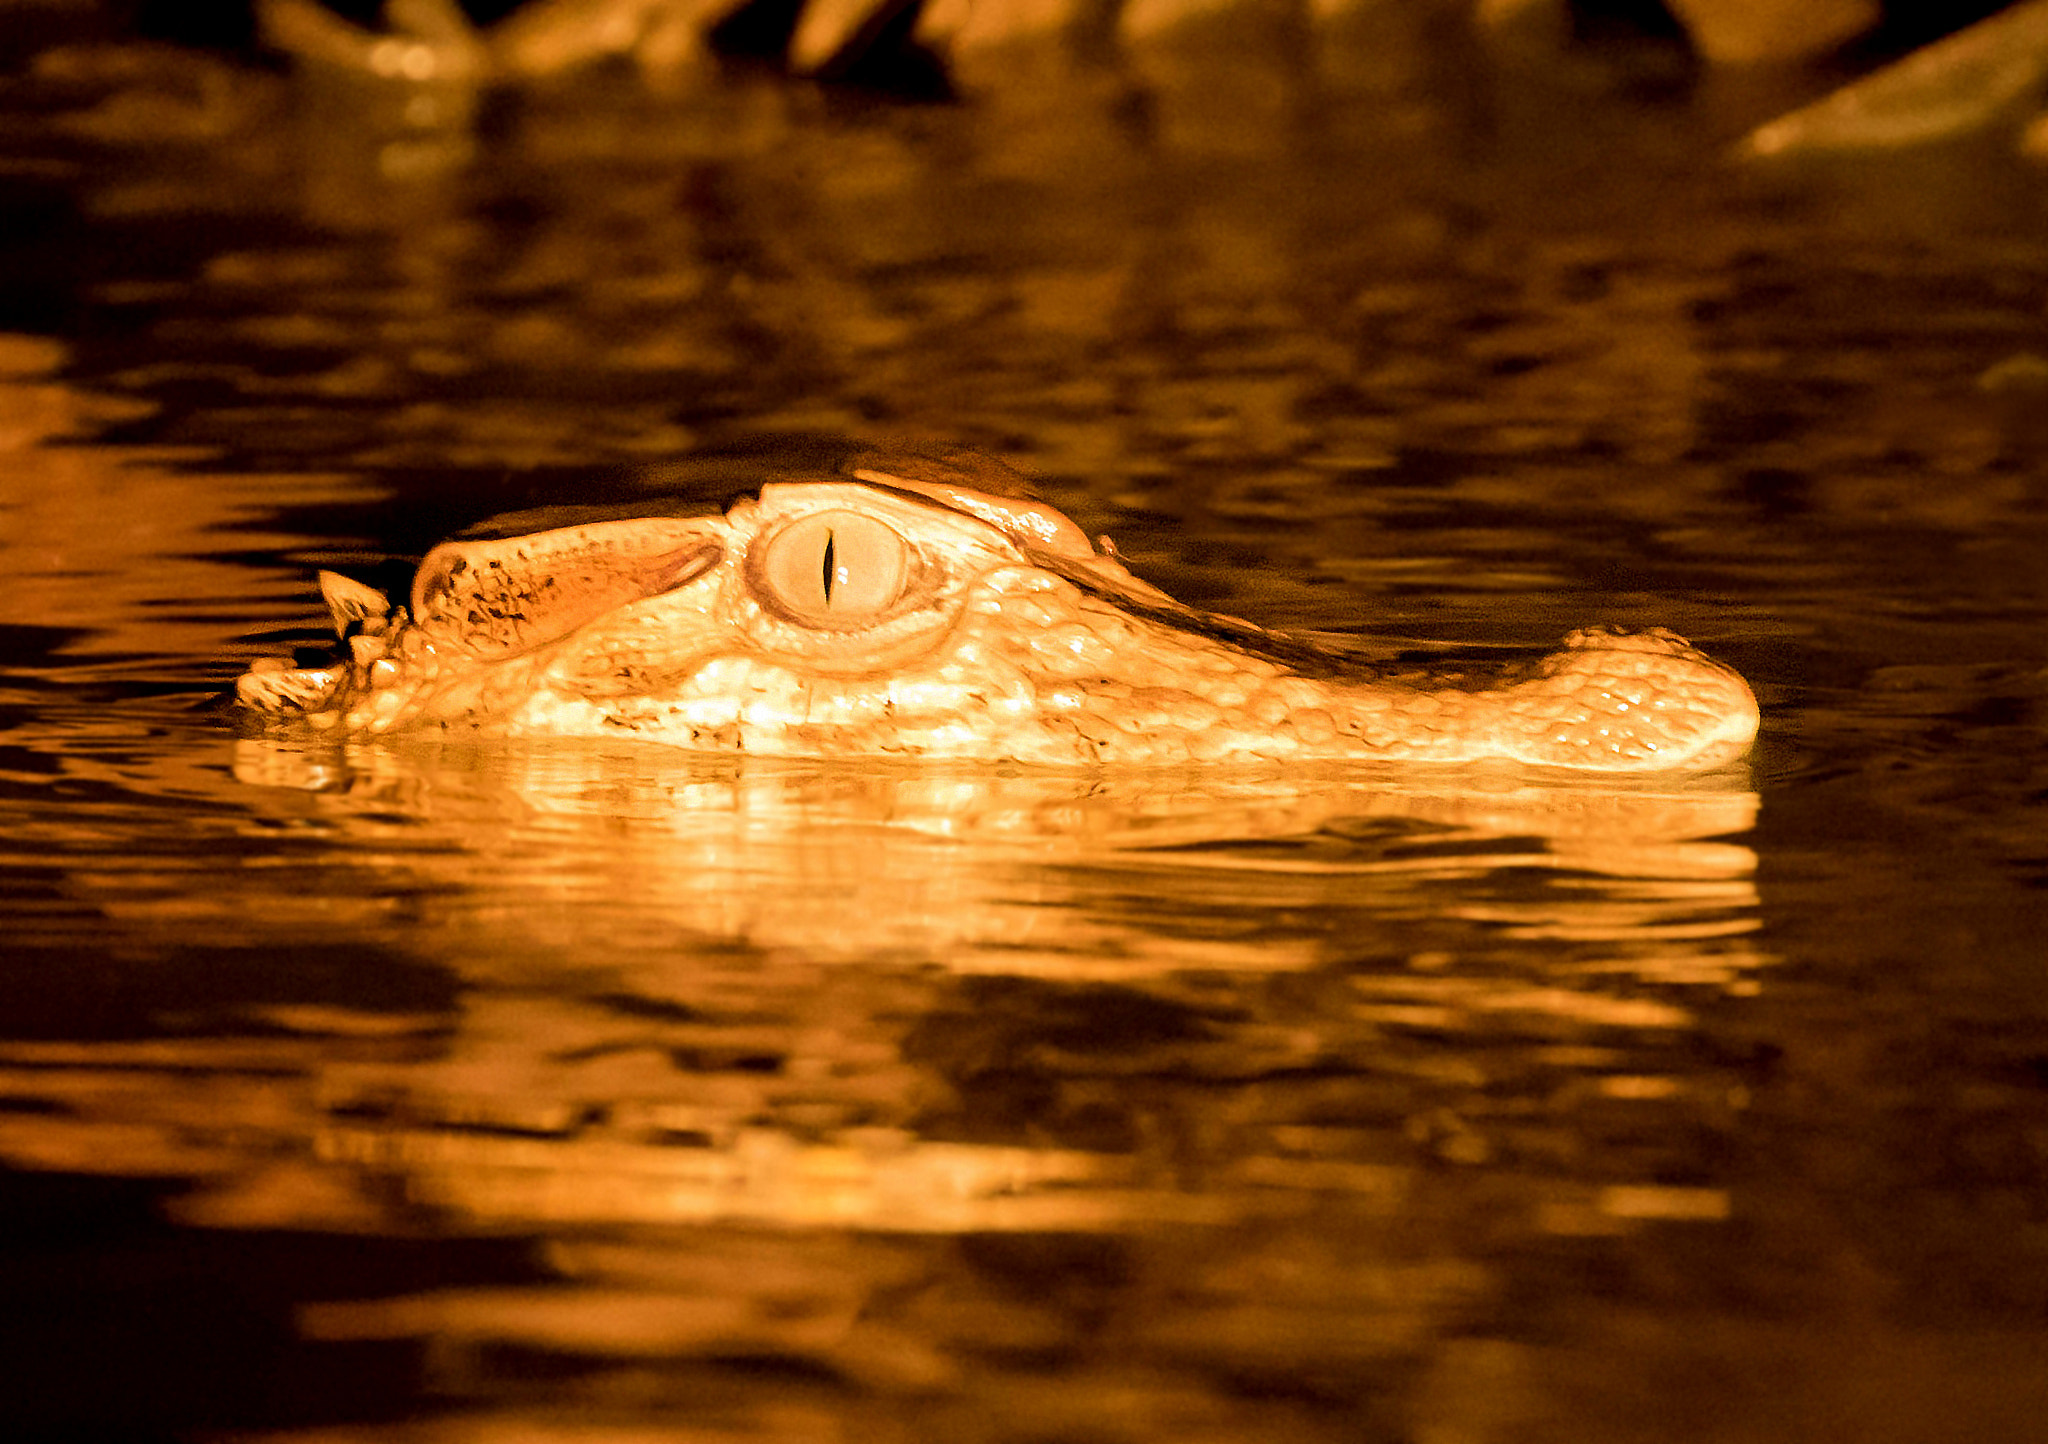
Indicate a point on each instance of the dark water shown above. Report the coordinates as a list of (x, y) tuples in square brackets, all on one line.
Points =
[(422, 1093)]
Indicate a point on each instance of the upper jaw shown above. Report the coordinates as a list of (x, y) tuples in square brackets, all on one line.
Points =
[(478, 604)]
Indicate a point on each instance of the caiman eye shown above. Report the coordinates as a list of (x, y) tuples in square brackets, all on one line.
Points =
[(836, 568)]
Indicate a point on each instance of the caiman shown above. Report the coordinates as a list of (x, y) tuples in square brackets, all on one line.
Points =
[(932, 608)]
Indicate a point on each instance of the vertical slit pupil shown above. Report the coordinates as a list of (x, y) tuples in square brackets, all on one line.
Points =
[(829, 569)]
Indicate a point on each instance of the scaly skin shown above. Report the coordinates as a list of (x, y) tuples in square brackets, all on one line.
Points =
[(995, 633)]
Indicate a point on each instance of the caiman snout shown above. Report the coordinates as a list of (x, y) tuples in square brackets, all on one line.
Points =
[(499, 599)]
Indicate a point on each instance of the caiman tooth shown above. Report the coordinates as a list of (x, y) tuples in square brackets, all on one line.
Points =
[(350, 602), (368, 647), (291, 689)]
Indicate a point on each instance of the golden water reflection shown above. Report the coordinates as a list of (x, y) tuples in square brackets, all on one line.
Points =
[(979, 869), (910, 1079), (123, 547), (697, 991)]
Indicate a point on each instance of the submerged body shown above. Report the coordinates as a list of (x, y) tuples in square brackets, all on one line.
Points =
[(916, 610)]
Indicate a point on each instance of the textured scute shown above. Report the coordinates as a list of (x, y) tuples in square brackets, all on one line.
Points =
[(1617, 700), (992, 652)]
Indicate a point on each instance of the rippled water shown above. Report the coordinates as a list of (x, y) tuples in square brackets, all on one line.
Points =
[(412, 1091)]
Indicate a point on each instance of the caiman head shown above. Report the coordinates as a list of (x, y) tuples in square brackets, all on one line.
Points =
[(929, 608)]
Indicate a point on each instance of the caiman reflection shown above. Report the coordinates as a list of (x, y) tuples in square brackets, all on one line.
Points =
[(926, 609), (598, 1071)]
